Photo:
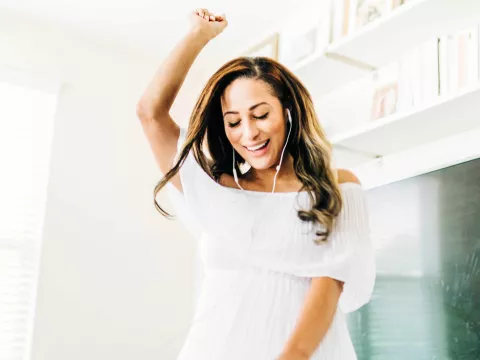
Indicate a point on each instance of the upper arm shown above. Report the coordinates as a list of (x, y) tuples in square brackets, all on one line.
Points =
[(162, 135), (345, 175)]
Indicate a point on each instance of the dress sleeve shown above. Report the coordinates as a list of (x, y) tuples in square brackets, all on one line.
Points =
[(178, 199), (351, 256), (347, 255)]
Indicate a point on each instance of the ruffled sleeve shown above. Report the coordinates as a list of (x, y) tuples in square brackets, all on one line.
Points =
[(347, 255), (350, 258)]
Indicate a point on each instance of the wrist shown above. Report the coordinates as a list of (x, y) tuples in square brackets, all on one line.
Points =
[(199, 35), (294, 354)]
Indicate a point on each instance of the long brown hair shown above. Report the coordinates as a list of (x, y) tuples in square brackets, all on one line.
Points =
[(308, 145)]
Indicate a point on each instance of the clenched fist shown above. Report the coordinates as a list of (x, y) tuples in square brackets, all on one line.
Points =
[(207, 23)]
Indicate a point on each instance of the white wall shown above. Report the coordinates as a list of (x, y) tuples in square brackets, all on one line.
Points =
[(116, 278)]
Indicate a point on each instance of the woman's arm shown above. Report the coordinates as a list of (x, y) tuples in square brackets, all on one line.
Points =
[(153, 108), (162, 90), (319, 308), (315, 320)]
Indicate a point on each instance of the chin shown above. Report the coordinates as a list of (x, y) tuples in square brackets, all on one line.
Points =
[(260, 164)]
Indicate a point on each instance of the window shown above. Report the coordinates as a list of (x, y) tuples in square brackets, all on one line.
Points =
[(26, 129)]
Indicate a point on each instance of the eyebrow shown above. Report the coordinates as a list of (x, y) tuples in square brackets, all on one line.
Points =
[(250, 109)]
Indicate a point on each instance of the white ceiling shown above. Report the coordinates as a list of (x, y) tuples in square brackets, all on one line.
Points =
[(154, 26)]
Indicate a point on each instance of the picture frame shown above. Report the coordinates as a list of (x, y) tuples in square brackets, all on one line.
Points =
[(306, 34), (385, 101)]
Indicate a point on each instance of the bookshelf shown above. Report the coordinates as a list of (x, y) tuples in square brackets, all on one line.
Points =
[(376, 45), (383, 41), (405, 27)]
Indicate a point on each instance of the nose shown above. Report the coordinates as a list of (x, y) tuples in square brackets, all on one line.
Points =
[(250, 130)]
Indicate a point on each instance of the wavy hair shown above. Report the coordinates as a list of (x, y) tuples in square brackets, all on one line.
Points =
[(308, 145)]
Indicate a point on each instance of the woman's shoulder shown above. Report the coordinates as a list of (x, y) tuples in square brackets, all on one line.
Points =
[(346, 176)]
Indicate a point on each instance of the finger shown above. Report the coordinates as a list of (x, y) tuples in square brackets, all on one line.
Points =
[(201, 12)]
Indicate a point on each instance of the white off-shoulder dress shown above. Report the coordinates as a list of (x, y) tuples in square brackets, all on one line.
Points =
[(259, 259)]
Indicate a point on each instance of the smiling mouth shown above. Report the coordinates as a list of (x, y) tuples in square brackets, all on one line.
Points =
[(258, 147)]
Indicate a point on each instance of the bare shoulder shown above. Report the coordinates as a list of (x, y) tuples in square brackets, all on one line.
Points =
[(345, 176)]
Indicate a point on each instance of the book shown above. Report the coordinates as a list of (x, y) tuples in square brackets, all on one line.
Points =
[(428, 72), (469, 76), (385, 95), (443, 65), (338, 17), (452, 63)]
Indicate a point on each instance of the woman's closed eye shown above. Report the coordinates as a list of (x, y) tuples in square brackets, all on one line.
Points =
[(256, 117), (234, 124), (261, 117)]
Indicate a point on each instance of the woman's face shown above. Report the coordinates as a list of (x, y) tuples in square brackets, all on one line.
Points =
[(254, 121)]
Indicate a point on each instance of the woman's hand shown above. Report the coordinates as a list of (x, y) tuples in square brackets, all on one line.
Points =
[(207, 24)]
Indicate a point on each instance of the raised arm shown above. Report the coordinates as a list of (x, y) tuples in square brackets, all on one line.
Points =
[(153, 108)]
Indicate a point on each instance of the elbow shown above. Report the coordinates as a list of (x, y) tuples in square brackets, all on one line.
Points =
[(146, 111)]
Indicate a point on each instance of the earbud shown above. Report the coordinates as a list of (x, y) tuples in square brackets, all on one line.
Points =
[(289, 116)]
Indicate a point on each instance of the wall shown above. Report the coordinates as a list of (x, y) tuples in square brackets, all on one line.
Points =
[(116, 278)]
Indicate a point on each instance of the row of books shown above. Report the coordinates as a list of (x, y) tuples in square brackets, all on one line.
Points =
[(440, 67), (348, 16)]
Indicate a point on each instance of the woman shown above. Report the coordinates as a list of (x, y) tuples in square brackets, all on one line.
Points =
[(281, 268)]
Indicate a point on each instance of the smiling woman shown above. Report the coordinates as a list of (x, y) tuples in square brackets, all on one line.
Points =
[(281, 268)]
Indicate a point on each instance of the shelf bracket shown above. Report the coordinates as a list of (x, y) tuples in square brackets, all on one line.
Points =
[(350, 61), (360, 152)]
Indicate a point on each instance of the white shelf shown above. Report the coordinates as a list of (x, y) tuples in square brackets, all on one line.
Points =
[(321, 73), (446, 117), (384, 41)]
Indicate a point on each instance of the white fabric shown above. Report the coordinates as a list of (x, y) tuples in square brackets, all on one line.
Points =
[(259, 258)]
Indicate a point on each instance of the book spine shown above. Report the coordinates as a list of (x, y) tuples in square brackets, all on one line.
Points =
[(443, 63)]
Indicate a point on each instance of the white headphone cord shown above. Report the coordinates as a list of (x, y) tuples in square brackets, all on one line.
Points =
[(281, 158), (235, 172)]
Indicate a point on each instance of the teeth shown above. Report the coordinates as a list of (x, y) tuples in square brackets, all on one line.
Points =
[(256, 147)]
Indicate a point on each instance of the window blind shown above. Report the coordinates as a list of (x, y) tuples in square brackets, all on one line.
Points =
[(27, 110)]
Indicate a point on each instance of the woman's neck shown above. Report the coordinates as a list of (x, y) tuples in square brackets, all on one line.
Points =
[(264, 177)]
